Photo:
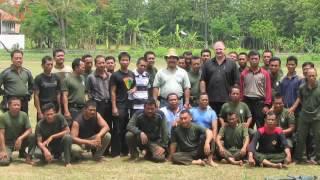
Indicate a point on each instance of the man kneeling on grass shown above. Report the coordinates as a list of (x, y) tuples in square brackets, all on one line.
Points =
[(53, 137), (273, 150), (233, 140), (148, 130), (15, 133), (192, 142), (90, 132)]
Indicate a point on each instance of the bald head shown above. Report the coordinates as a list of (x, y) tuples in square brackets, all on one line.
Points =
[(219, 50), (311, 76)]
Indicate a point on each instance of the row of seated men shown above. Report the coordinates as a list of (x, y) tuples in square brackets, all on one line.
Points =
[(189, 142)]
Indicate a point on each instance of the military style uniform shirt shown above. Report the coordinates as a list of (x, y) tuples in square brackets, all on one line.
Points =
[(240, 108), (16, 83), (285, 119), (45, 129), (310, 101), (75, 86), (233, 138), (14, 126), (187, 139), (155, 128), (194, 78)]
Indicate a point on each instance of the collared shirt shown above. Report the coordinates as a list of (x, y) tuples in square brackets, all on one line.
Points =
[(98, 87), (16, 83), (219, 79), (203, 118), (140, 96), (310, 102), (169, 81), (256, 85), (155, 127), (75, 86), (194, 78), (285, 119), (152, 74), (275, 82), (170, 116), (289, 88)]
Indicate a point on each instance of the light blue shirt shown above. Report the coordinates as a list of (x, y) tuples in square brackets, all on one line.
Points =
[(203, 118), (170, 116)]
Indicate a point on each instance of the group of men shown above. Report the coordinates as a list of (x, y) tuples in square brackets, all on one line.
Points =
[(195, 110)]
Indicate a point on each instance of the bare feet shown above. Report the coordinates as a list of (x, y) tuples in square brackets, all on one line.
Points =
[(68, 165), (198, 162), (212, 163), (29, 161)]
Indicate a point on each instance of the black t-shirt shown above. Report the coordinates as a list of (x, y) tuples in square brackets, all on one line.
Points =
[(48, 87), (124, 82), (87, 127), (219, 79)]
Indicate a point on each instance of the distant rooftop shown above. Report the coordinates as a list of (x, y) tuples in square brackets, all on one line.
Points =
[(5, 16)]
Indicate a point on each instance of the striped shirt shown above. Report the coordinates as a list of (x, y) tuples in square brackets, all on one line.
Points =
[(141, 94)]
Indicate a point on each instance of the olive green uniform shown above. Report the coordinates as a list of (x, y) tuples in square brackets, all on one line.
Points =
[(189, 142), (75, 86), (309, 119), (16, 84), (156, 130), (15, 127), (56, 146), (233, 139), (241, 109), (285, 119), (195, 87)]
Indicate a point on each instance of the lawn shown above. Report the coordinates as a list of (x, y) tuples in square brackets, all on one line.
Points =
[(120, 168)]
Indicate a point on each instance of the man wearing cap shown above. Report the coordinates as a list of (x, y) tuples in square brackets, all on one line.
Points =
[(172, 79)]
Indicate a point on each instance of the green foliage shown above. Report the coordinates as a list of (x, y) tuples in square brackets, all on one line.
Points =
[(274, 24)]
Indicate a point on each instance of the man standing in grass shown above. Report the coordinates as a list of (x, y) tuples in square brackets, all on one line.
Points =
[(190, 143), (172, 80), (90, 132), (194, 77), (122, 85), (52, 133), (273, 150), (147, 129), (74, 93), (17, 81), (47, 87), (233, 140), (15, 133), (309, 117)]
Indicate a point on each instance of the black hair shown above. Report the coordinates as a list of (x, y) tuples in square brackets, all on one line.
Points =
[(90, 103), (268, 51), (48, 107), (45, 59), (124, 54), (274, 58), (308, 64), (111, 57), (141, 59), (172, 94), (204, 51), (85, 56), (292, 58), (76, 63), (150, 102), (57, 51), (16, 51), (97, 57), (253, 53), (146, 54), (185, 111), (13, 98)]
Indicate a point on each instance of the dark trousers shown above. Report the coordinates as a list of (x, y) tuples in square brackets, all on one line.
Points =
[(216, 106), (256, 106), (105, 110), (118, 142)]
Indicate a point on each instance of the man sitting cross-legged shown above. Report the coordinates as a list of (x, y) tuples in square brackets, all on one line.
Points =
[(15, 133), (52, 133), (233, 140), (148, 130), (90, 132), (273, 150), (191, 141)]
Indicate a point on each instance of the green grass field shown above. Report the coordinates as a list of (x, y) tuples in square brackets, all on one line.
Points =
[(120, 168)]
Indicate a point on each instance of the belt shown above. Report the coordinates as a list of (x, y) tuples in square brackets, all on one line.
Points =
[(162, 98), (78, 106), (103, 100), (254, 98)]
